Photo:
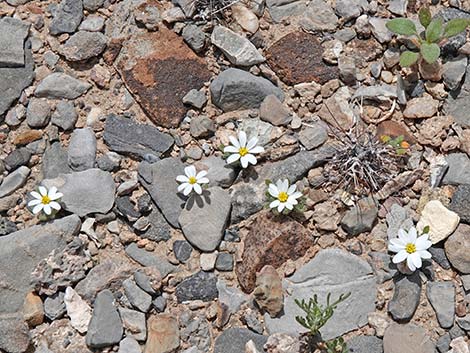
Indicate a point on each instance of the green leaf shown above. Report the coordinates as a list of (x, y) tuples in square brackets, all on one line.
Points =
[(426, 230), (425, 16), (430, 52), (434, 31), (455, 26), (402, 26), (408, 58)]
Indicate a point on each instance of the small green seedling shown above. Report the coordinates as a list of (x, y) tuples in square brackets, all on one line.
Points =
[(336, 345), (398, 143), (427, 43)]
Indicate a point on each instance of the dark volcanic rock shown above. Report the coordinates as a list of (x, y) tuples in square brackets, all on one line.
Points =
[(233, 340), (405, 297), (200, 286), (67, 17), (461, 203)]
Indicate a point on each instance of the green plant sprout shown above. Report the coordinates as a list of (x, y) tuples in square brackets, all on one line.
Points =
[(336, 345), (398, 143), (427, 43)]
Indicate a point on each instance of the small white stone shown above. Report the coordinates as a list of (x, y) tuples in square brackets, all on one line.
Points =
[(78, 310), (441, 221), (207, 261)]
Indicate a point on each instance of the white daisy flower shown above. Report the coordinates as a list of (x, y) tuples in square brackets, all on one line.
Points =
[(286, 196), (45, 200), (191, 181), (243, 150), (410, 247)]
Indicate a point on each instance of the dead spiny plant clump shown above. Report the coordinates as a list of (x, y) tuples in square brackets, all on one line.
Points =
[(212, 10)]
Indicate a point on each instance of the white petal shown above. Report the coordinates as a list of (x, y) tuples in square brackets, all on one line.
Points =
[(42, 190), (203, 181), (197, 189), (183, 186), (285, 185), (47, 209), (252, 143), (281, 206), (233, 158), (188, 189), (400, 257), (256, 150), (289, 206), (56, 196), (231, 149), (273, 191), (410, 263), (201, 174), (403, 235), (38, 208), (274, 204), (292, 200), (396, 245), (279, 185), (52, 191), (291, 189), (182, 178), (422, 243), (416, 259), (34, 202), (190, 171), (412, 234), (36, 195), (242, 138), (234, 142), (296, 195), (424, 254), (250, 158), (55, 205), (244, 161)]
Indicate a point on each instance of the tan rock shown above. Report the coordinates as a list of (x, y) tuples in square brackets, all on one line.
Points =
[(421, 107), (77, 309), (407, 338), (245, 18), (459, 345), (163, 334), (268, 292), (33, 310), (282, 343), (441, 221)]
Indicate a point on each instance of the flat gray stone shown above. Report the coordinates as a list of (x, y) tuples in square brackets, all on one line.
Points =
[(195, 37), (15, 334), (129, 345), (58, 85), (405, 297), (459, 169), (82, 149), (457, 103), (461, 203), (407, 338), (84, 45), (313, 136), (65, 115), (398, 218), (124, 135), (365, 344), (218, 171), (13, 33), (159, 179), (137, 297), (453, 71), (361, 217), (55, 161), (204, 218), (134, 323), (330, 271), (149, 259), (441, 295), (234, 339), (38, 113), (200, 286), (456, 248), (105, 328), (235, 89), (92, 5), (14, 181), (67, 17), (280, 9)]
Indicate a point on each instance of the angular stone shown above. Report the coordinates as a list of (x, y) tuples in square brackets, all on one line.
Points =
[(65, 115), (454, 71), (67, 17), (319, 16), (58, 85), (421, 107), (149, 259), (405, 297), (461, 203), (365, 344), (330, 271), (235, 89), (84, 45), (14, 181), (137, 297), (159, 229), (12, 39), (92, 5), (234, 340), (134, 323), (7, 226), (214, 205), (17, 158), (163, 334), (129, 345), (274, 112), (218, 171), (407, 338), (297, 58), (440, 220), (15, 336), (459, 169), (55, 161), (78, 310), (457, 104), (195, 37), (124, 135), (279, 9), (200, 286), (441, 295), (238, 49), (159, 179), (456, 249), (268, 292), (271, 240), (145, 63), (38, 112), (336, 110), (202, 126), (105, 327), (182, 250), (361, 218), (33, 310), (313, 136), (82, 149), (54, 306)]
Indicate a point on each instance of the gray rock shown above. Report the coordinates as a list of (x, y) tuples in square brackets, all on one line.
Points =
[(224, 262), (82, 149), (14, 181), (238, 49), (461, 203), (464, 322), (457, 103), (274, 112), (144, 282), (159, 179), (7, 226), (200, 286), (441, 295), (215, 205), (54, 306), (137, 297), (84, 45), (160, 304), (129, 345), (50, 58), (17, 2), (15, 80), (58, 85), (65, 115), (195, 37), (86, 192), (182, 250), (443, 343), (107, 163), (459, 169), (405, 297), (398, 7), (365, 344), (159, 229), (453, 72), (105, 328), (124, 135), (361, 217), (347, 70), (453, 44), (235, 89), (149, 259), (202, 126), (218, 171), (67, 17), (379, 30), (92, 23), (330, 271), (92, 5), (17, 261), (319, 16), (234, 339), (398, 218), (38, 112), (55, 161), (456, 249), (279, 9), (350, 9), (15, 334), (313, 136), (17, 158), (439, 255), (407, 338), (195, 98), (13, 33)]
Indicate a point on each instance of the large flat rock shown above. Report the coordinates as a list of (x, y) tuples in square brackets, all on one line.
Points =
[(13, 33)]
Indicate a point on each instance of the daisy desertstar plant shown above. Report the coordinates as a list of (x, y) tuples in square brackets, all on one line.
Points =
[(243, 150), (283, 197), (192, 181), (410, 247), (46, 201)]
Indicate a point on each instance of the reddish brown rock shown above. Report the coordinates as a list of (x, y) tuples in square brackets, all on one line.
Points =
[(297, 57), (163, 334), (160, 69), (271, 240), (27, 137), (395, 129), (33, 310)]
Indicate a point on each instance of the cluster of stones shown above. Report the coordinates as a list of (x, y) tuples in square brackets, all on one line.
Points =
[(109, 100)]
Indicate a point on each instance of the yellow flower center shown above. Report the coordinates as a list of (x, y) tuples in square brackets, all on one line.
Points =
[(243, 151), (410, 248), (192, 180), (283, 196), (45, 200)]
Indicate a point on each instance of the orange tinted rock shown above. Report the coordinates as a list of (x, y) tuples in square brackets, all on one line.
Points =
[(163, 334), (160, 69), (27, 137), (395, 129), (33, 310)]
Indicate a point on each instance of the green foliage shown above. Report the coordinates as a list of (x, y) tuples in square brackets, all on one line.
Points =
[(317, 315), (398, 143), (336, 345), (425, 230), (435, 32)]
